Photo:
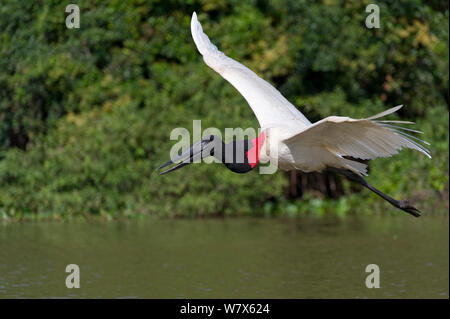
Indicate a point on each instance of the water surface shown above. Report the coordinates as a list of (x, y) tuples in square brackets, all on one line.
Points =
[(230, 258)]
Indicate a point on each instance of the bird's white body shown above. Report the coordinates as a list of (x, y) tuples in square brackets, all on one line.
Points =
[(274, 150), (291, 140)]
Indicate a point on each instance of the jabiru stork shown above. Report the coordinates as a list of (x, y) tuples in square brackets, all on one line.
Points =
[(333, 143)]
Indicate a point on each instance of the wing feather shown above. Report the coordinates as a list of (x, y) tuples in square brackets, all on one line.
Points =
[(270, 107), (358, 138)]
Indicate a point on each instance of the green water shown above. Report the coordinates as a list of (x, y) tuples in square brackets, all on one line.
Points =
[(236, 258)]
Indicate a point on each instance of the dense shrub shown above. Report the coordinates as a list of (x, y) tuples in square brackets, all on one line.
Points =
[(85, 114)]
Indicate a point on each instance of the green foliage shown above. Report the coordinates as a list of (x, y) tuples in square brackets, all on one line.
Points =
[(85, 114)]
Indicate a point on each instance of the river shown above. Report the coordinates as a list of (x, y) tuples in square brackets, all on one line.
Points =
[(227, 258)]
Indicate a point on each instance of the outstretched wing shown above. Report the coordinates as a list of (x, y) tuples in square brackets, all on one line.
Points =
[(270, 107), (357, 138)]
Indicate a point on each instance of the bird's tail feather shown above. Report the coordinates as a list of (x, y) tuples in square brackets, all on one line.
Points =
[(393, 126)]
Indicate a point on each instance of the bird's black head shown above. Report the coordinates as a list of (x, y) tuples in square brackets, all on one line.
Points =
[(239, 156)]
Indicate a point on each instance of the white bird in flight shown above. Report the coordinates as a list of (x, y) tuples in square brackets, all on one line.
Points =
[(288, 138)]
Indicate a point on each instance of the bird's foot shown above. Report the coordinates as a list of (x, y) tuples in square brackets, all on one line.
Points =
[(405, 206)]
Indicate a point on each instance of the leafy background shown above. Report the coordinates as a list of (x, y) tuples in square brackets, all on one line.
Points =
[(85, 114)]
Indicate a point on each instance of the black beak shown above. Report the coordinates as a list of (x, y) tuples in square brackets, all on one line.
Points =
[(198, 151)]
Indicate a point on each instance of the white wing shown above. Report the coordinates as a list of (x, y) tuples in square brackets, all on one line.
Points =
[(269, 106), (358, 138)]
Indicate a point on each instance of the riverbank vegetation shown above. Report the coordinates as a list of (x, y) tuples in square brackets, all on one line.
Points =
[(85, 114)]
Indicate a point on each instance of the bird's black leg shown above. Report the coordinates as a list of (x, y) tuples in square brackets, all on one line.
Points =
[(401, 204)]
